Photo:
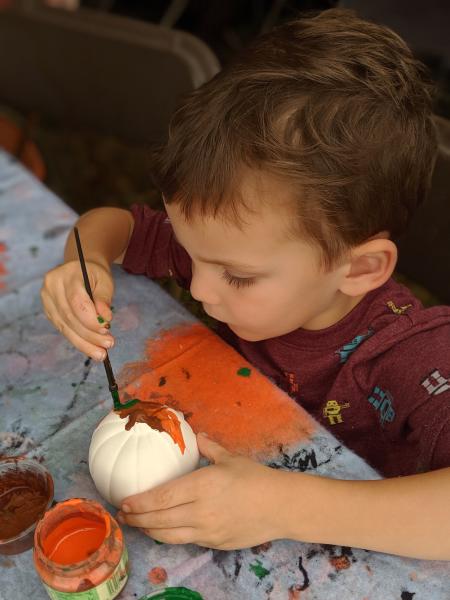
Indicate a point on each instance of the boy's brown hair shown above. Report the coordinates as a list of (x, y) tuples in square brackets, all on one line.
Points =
[(333, 105)]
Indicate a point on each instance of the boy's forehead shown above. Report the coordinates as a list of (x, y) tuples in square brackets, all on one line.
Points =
[(258, 202), (257, 224)]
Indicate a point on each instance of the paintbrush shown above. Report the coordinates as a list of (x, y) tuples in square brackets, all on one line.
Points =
[(113, 387)]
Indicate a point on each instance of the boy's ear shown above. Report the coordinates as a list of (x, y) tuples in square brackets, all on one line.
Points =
[(369, 266)]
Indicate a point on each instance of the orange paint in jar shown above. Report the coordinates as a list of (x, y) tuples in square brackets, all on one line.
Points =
[(79, 552)]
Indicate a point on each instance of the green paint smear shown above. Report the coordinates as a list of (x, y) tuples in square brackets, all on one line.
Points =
[(244, 372), (174, 593), (100, 319), (259, 570)]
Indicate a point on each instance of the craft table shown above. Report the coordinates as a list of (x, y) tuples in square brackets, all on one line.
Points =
[(51, 398)]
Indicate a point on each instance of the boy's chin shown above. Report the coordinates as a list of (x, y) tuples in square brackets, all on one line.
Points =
[(246, 335)]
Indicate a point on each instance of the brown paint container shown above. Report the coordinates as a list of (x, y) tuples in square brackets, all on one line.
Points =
[(26, 492)]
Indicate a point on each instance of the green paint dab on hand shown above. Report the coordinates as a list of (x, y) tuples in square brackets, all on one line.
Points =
[(244, 372), (258, 569), (100, 319)]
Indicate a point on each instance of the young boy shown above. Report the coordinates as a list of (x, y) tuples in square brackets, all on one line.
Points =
[(285, 179)]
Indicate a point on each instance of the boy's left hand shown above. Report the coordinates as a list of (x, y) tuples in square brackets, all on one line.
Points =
[(229, 504)]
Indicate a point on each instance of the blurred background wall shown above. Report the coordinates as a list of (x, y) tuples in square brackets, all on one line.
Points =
[(88, 86)]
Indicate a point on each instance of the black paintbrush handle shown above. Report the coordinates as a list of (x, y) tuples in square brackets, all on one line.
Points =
[(87, 285)]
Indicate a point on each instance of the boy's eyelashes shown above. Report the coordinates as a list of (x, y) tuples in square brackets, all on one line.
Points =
[(238, 281)]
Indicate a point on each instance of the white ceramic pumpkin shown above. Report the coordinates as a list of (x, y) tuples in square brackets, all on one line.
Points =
[(123, 463)]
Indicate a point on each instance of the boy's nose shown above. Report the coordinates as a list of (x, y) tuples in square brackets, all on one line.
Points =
[(201, 288)]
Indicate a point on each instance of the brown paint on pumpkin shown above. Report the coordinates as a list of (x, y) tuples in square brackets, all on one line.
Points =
[(248, 415), (157, 575), (157, 417)]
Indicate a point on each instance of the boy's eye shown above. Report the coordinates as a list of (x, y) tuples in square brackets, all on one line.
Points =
[(238, 281)]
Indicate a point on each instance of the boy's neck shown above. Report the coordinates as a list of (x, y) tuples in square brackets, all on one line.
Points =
[(339, 310)]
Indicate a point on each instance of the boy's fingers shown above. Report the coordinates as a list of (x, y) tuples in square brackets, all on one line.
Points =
[(178, 516), (83, 308), (213, 451), (69, 322), (76, 340), (103, 309), (173, 493)]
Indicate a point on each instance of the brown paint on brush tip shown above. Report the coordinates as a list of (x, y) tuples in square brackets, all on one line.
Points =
[(246, 414)]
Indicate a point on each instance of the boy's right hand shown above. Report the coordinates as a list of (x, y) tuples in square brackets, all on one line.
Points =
[(69, 308)]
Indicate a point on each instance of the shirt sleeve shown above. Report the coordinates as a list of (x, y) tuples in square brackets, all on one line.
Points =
[(409, 392), (153, 249)]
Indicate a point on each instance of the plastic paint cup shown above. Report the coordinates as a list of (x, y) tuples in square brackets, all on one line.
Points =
[(26, 492), (79, 552)]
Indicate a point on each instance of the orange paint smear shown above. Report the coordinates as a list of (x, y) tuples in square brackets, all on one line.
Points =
[(74, 539), (157, 575), (340, 562), (3, 269), (191, 369)]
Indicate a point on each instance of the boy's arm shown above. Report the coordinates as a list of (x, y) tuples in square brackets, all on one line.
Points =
[(408, 515), (104, 233)]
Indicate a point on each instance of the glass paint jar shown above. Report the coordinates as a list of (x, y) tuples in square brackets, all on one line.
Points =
[(79, 552)]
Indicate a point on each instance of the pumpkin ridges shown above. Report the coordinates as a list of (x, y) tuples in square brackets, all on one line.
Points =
[(93, 455), (128, 441), (148, 462)]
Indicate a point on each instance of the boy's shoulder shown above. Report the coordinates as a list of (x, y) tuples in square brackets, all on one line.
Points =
[(398, 320)]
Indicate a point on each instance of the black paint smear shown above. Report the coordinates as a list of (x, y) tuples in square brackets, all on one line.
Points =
[(237, 564), (186, 373), (311, 553), (305, 585), (222, 559), (162, 381), (87, 362), (348, 552), (55, 231), (407, 595), (300, 461), (332, 576)]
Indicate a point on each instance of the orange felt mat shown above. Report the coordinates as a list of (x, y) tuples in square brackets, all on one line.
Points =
[(191, 369)]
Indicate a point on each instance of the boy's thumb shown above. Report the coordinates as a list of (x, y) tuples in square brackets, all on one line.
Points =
[(213, 451)]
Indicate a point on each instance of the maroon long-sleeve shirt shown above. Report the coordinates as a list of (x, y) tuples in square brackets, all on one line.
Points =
[(379, 379)]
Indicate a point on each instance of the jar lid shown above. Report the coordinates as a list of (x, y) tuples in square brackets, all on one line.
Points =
[(173, 593)]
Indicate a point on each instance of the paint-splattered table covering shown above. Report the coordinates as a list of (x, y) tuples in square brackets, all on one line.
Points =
[(51, 399)]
